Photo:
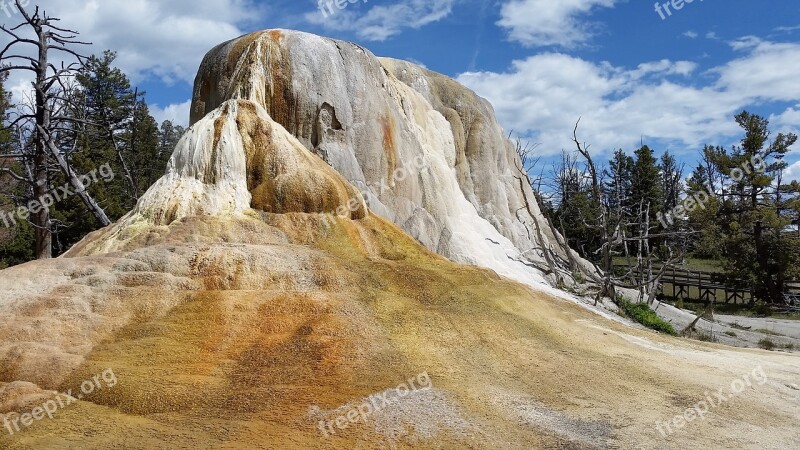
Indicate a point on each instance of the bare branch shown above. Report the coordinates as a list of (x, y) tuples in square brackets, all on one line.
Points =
[(14, 175)]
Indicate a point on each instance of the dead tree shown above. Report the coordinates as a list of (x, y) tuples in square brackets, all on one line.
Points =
[(559, 263), (523, 165), (49, 91), (609, 239), (615, 240)]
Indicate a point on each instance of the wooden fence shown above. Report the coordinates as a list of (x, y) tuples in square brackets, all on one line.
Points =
[(704, 286)]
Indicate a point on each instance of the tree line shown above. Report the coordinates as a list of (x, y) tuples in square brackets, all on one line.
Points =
[(80, 116), (733, 207)]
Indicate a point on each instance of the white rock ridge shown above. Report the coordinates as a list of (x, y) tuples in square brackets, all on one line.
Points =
[(426, 152), (233, 160), (236, 158)]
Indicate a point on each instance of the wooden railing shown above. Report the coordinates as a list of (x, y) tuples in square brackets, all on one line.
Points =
[(704, 286)]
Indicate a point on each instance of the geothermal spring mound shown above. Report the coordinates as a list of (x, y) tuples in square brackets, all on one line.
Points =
[(339, 256)]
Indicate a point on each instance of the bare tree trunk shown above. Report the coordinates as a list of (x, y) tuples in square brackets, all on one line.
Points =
[(133, 189), (44, 235), (45, 121), (709, 310), (562, 240), (76, 182), (545, 251), (41, 218)]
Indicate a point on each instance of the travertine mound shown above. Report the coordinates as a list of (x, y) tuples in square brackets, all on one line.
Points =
[(426, 152), (232, 160), (251, 300)]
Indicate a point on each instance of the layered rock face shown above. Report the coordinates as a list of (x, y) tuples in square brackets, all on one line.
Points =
[(233, 160), (425, 152), (237, 158)]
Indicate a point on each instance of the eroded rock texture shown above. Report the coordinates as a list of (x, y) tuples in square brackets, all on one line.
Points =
[(426, 152)]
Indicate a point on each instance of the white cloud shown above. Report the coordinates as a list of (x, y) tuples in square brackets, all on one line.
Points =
[(792, 173), (768, 71), (546, 22), (788, 121), (787, 29), (663, 67), (165, 38), (383, 21), (417, 62), (691, 34), (542, 96), (177, 113)]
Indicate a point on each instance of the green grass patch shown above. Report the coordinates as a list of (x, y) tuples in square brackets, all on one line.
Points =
[(730, 333), (766, 344), (641, 313), (705, 265), (769, 332)]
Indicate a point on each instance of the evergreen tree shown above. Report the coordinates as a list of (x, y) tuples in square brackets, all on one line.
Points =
[(646, 183), (671, 177), (17, 242), (792, 205), (120, 132), (577, 213), (706, 242), (620, 178), (753, 216), (168, 137), (144, 140), (109, 103)]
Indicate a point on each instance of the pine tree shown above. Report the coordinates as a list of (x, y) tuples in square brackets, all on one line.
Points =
[(753, 217), (577, 212), (620, 177), (646, 183), (672, 181), (168, 137), (17, 243), (707, 242), (109, 103), (120, 132), (143, 139)]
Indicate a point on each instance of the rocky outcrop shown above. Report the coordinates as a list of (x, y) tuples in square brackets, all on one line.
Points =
[(233, 160), (426, 152), (237, 158)]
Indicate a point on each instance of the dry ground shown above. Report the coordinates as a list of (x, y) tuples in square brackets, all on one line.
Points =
[(245, 333)]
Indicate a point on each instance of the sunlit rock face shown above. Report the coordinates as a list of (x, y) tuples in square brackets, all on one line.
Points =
[(236, 158), (426, 152)]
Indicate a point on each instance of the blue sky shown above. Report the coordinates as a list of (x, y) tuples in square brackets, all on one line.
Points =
[(673, 82)]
